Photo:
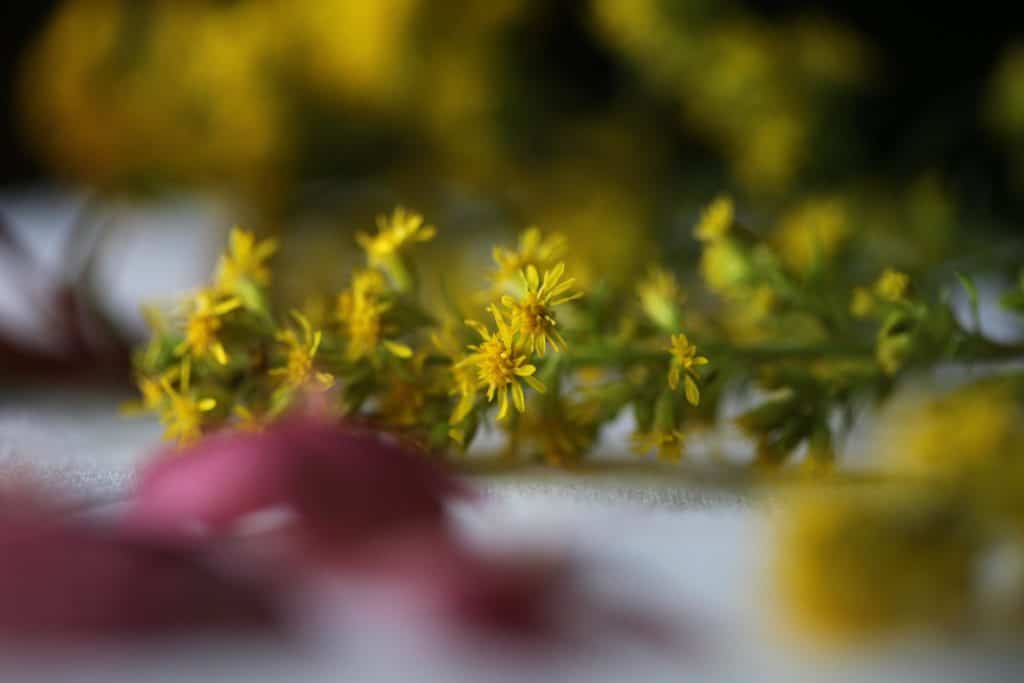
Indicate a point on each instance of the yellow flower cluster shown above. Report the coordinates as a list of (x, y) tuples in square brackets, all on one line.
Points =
[(550, 367), (231, 359)]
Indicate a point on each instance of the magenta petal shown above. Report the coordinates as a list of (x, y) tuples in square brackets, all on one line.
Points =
[(210, 485), (342, 484), (64, 580)]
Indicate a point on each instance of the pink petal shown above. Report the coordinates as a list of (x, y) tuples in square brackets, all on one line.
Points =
[(342, 484), (60, 579)]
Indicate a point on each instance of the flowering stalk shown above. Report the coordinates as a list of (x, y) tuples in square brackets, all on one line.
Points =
[(556, 361)]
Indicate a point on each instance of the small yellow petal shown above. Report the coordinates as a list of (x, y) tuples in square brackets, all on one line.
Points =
[(397, 349), (519, 397)]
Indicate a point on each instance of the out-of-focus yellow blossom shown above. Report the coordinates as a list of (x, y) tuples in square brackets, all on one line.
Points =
[(668, 444), (892, 352), (113, 99), (245, 259), (863, 566), (393, 232), (361, 313), (684, 361), (394, 235), (748, 314), (776, 149), (810, 234), (533, 316), (403, 403), (355, 51), (204, 322), (725, 267), (151, 390), (715, 220), (892, 285), (300, 349), (534, 249), (182, 412), (368, 282), (558, 435), (862, 302), (967, 428), (660, 297), (501, 363)]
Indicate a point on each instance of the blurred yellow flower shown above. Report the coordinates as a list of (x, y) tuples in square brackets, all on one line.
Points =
[(668, 444), (204, 322), (862, 566), (660, 297), (245, 259), (725, 267), (969, 427), (809, 235), (361, 312), (715, 220), (182, 413), (892, 285), (534, 249), (300, 349), (862, 302), (393, 233)]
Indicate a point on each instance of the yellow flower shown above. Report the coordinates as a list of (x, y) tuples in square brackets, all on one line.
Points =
[(534, 250), (245, 259), (361, 313), (667, 443), (392, 234), (500, 361), (862, 304), (684, 360), (660, 297), (968, 428), (810, 233), (861, 565), (203, 325), (715, 220), (725, 267), (892, 285), (183, 412), (560, 433), (301, 348), (152, 393), (533, 317), (368, 282)]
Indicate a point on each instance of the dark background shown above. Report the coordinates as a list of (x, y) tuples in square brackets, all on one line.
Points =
[(935, 62)]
